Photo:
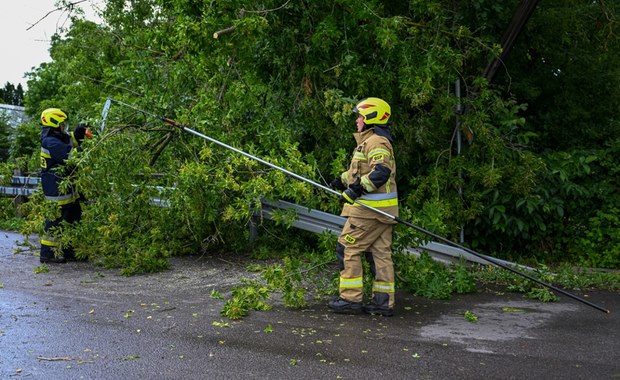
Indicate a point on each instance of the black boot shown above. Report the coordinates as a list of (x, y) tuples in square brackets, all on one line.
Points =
[(47, 255), (53, 260), (340, 305), (379, 305)]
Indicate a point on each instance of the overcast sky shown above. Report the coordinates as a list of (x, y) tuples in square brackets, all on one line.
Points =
[(23, 49)]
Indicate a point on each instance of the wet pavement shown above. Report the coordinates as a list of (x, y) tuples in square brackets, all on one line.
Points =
[(83, 322)]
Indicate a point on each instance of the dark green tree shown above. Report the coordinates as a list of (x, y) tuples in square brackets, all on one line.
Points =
[(5, 138), (10, 94)]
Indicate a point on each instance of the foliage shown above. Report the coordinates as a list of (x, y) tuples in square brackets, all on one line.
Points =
[(8, 217), (520, 284), (295, 278), (425, 277), (25, 147), (43, 268), (571, 56), (251, 296), (314, 273), (470, 317), (10, 94), (580, 279), (571, 216), (281, 86), (600, 247), (5, 138)]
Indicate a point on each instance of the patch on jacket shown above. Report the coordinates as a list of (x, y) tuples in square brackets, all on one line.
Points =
[(349, 239)]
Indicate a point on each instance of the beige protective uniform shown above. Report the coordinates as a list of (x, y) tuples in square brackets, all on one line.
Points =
[(365, 229)]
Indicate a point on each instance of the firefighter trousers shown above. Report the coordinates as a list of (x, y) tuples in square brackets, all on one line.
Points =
[(50, 241), (360, 236)]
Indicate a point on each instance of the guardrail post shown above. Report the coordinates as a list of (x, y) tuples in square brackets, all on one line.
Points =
[(254, 219), (20, 199)]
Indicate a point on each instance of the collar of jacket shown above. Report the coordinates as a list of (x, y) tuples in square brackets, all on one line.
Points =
[(53, 132), (372, 129)]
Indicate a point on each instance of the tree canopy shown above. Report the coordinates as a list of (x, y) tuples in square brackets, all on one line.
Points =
[(10, 94), (279, 79)]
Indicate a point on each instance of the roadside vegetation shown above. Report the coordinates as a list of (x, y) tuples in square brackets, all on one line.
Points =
[(535, 182)]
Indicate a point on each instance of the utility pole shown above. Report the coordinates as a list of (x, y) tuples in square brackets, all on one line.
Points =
[(519, 19), (458, 111)]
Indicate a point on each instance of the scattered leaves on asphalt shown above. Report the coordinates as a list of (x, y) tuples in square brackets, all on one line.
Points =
[(513, 310), (471, 317), (216, 295), (41, 269)]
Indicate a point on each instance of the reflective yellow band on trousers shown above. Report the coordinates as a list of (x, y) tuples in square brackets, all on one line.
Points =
[(383, 287), (50, 243), (63, 199), (351, 283)]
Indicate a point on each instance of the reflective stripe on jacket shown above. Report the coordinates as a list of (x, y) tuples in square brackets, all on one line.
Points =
[(373, 163)]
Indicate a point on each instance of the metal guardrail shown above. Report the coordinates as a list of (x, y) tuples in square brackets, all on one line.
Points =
[(23, 186), (307, 219), (319, 221)]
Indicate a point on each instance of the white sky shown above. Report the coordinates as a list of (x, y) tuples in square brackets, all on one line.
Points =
[(23, 49)]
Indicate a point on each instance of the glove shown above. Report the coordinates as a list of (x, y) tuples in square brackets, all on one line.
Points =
[(352, 193), (337, 184), (82, 131)]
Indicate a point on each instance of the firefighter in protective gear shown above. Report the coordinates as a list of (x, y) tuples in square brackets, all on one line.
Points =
[(370, 179), (56, 147)]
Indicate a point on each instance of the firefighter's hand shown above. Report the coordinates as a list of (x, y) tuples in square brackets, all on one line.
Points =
[(337, 184), (81, 132), (354, 191), (349, 196)]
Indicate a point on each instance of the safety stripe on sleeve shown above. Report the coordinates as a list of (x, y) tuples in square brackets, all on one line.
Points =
[(45, 153), (359, 156), (347, 197), (368, 185)]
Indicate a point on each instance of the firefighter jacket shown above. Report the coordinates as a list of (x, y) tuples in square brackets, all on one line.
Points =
[(56, 148), (373, 163)]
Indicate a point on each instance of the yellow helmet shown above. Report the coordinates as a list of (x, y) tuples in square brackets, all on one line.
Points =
[(53, 117), (374, 110)]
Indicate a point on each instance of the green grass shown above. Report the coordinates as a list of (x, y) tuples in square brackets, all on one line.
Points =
[(564, 276)]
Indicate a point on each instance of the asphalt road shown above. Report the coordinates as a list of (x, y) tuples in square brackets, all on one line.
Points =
[(83, 322)]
